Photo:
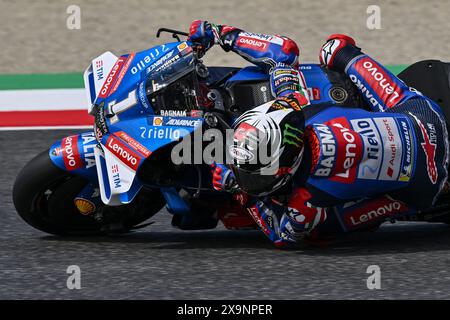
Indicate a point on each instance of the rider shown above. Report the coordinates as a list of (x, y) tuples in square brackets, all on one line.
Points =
[(358, 168)]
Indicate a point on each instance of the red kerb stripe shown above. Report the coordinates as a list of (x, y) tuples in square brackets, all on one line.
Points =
[(45, 118)]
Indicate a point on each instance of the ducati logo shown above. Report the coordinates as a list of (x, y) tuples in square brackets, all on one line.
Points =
[(429, 147)]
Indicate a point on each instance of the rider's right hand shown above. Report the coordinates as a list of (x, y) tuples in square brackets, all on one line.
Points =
[(201, 34)]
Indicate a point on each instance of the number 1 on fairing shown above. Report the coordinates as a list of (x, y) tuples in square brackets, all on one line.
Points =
[(121, 106)]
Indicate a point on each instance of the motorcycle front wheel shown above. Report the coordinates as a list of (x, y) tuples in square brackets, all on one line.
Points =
[(43, 196)]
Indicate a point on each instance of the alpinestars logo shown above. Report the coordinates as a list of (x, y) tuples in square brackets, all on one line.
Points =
[(429, 147), (328, 49)]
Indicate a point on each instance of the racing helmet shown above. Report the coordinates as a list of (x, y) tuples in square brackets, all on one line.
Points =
[(267, 147)]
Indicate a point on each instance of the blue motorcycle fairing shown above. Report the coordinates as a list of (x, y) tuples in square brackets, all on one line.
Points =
[(133, 132), (252, 73), (129, 99), (137, 139), (317, 82), (129, 128), (75, 154)]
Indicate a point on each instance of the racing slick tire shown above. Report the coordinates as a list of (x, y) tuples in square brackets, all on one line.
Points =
[(43, 196)]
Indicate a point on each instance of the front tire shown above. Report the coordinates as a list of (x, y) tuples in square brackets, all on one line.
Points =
[(43, 195)]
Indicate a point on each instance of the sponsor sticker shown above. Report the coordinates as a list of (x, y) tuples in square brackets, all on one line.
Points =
[(264, 37), (379, 81), (429, 147), (361, 85), (133, 143), (286, 79), (123, 152), (158, 121), (245, 130), (109, 81), (182, 46), (196, 113), (313, 93), (349, 150), (293, 103), (101, 127), (372, 152), (84, 206), (292, 136), (326, 156), (116, 176), (187, 122), (282, 72), (241, 153), (99, 71), (373, 211), (122, 72), (408, 150), (88, 143), (160, 133), (71, 155), (253, 43), (393, 150), (143, 96), (254, 212), (159, 63), (150, 57), (173, 113)]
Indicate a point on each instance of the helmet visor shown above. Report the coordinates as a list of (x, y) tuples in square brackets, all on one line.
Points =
[(255, 183)]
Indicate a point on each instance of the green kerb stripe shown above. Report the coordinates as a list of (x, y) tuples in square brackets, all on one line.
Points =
[(41, 81), (71, 80)]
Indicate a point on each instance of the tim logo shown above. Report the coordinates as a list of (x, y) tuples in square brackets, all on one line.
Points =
[(116, 176), (99, 69)]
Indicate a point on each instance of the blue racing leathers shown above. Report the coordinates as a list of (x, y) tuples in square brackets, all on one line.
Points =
[(360, 167)]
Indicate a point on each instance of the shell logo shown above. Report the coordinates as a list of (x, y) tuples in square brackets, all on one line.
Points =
[(84, 206), (157, 121), (182, 46)]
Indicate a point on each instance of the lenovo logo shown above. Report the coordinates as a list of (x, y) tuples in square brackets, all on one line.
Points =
[(71, 156), (254, 44), (104, 92), (125, 154), (374, 210)]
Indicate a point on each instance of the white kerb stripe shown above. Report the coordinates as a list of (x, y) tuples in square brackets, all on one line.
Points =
[(42, 99)]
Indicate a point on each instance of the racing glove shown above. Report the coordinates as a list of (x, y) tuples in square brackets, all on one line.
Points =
[(335, 50), (223, 178), (274, 223), (287, 225), (201, 33)]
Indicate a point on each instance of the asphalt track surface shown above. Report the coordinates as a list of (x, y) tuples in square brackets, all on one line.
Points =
[(160, 262)]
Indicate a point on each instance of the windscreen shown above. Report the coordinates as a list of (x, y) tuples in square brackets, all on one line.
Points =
[(169, 71)]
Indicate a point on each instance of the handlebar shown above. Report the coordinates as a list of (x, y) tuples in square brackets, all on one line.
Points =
[(199, 50), (175, 33)]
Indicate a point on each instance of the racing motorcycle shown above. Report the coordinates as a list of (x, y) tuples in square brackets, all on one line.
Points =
[(115, 177)]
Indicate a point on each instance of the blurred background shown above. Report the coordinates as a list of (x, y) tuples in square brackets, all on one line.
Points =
[(35, 38)]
